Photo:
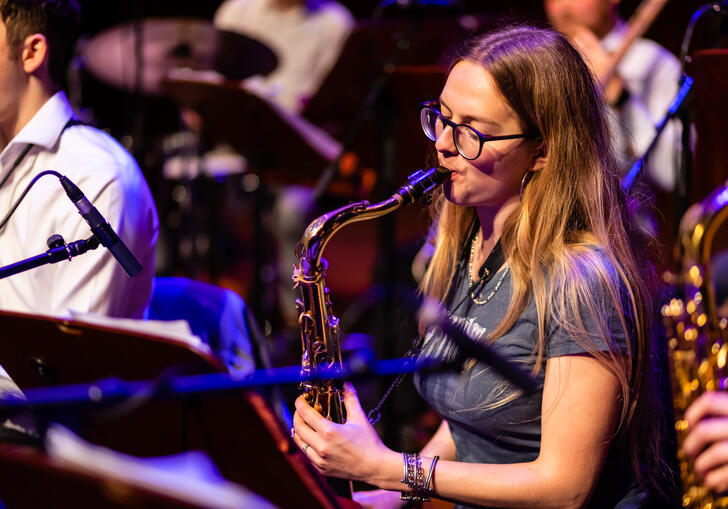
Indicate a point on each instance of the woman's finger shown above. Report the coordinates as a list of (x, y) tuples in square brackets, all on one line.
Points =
[(305, 434), (704, 433), (309, 452), (712, 458), (354, 411), (717, 479), (711, 403), (310, 416)]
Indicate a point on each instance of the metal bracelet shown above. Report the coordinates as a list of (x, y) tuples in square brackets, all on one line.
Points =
[(428, 491), (404, 462)]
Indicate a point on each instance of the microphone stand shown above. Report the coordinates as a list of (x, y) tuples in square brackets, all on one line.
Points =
[(103, 393), (111, 391), (677, 108), (58, 251)]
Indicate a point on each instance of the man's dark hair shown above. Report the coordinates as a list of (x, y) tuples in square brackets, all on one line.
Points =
[(57, 20)]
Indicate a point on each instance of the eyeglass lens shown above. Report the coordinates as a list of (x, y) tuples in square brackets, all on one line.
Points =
[(466, 140)]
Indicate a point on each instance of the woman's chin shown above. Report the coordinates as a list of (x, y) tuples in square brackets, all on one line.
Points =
[(456, 196), (451, 194)]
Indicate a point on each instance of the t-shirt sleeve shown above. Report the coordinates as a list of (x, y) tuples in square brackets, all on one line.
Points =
[(602, 331)]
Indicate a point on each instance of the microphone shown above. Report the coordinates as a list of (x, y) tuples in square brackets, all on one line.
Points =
[(433, 314), (101, 229)]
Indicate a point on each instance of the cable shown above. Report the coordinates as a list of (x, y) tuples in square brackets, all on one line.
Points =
[(25, 192)]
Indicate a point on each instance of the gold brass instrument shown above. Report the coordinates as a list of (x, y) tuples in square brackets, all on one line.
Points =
[(318, 326), (697, 336)]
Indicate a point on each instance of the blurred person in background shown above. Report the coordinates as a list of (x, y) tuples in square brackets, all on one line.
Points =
[(639, 94)]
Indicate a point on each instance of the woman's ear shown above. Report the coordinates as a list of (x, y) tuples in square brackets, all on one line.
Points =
[(35, 53), (540, 158)]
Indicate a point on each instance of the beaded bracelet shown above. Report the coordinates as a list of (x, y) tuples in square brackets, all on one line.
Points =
[(412, 472), (414, 477)]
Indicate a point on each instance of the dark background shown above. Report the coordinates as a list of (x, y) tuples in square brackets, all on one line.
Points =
[(668, 29), (114, 110)]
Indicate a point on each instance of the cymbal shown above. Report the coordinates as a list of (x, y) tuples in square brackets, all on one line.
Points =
[(173, 43), (283, 145)]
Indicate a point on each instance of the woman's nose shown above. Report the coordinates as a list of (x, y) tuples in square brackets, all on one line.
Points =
[(445, 142)]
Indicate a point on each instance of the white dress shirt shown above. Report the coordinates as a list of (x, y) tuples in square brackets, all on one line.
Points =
[(651, 75), (307, 40), (112, 181)]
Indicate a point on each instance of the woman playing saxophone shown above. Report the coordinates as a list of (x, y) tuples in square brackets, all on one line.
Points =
[(535, 255)]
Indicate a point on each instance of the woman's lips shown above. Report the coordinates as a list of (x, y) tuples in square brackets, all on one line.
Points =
[(452, 172)]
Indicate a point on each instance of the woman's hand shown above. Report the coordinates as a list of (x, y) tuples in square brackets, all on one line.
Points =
[(352, 450), (707, 440)]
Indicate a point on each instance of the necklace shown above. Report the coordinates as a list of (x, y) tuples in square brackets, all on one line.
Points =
[(476, 300)]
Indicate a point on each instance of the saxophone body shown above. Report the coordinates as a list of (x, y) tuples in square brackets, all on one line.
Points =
[(318, 326), (697, 336)]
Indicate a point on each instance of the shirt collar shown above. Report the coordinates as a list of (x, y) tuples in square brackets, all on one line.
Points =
[(613, 39), (47, 124)]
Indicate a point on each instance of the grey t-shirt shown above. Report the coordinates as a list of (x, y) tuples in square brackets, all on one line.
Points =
[(486, 430)]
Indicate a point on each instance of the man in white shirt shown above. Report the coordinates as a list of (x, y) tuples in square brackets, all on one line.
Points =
[(645, 83), (38, 132), (306, 35)]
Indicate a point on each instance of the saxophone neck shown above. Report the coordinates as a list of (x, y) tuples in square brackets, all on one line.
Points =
[(310, 249), (320, 231)]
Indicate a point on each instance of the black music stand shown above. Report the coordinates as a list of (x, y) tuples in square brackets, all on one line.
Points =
[(236, 429)]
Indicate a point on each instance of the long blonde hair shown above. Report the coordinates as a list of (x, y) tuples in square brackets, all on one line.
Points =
[(571, 232)]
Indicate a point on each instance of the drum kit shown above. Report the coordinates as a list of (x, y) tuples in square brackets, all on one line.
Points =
[(202, 69), (233, 142), (205, 70)]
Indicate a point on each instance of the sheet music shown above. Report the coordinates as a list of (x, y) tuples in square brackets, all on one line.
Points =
[(189, 476), (175, 330)]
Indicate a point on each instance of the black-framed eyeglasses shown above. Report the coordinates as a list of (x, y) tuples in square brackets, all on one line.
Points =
[(468, 140)]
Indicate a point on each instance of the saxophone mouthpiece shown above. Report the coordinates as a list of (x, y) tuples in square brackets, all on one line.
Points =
[(421, 183)]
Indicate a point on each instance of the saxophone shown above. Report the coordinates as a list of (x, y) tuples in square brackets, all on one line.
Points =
[(697, 336), (318, 326)]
